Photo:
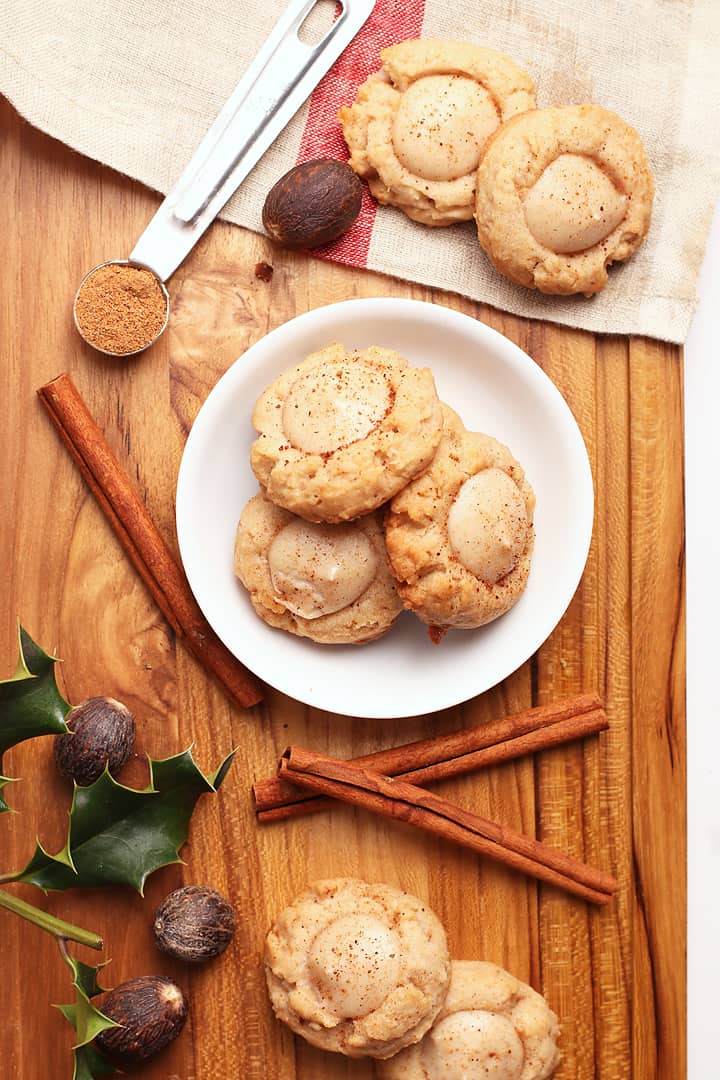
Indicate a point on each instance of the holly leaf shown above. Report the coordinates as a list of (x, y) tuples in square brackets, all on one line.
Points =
[(82, 1015), (89, 1065), (30, 702), (119, 835), (86, 1020), (3, 781)]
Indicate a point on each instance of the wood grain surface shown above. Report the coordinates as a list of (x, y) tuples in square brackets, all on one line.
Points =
[(615, 976)]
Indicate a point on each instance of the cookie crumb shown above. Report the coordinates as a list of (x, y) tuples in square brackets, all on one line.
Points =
[(264, 271)]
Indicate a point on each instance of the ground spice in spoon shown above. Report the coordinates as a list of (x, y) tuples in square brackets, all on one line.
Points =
[(120, 308)]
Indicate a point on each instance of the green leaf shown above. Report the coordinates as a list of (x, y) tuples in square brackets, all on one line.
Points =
[(118, 835), (89, 1065), (87, 1021), (3, 781), (30, 702), (82, 1014)]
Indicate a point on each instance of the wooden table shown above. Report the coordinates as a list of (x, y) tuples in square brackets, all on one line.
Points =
[(616, 976)]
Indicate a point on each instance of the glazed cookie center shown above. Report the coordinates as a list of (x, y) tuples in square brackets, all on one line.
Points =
[(473, 1045), (356, 963), (318, 569), (441, 125), (488, 525), (333, 405), (573, 205)]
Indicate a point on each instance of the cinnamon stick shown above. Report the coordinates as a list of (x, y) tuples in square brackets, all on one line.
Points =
[(455, 754), (140, 538), (397, 799)]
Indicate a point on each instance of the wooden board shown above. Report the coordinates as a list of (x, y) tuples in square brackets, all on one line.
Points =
[(615, 977)]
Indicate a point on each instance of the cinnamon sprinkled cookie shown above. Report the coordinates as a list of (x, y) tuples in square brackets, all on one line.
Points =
[(344, 431), (418, 126), (460, 536), (562, 193), (331, 583), (491, 1025), (358, 968)]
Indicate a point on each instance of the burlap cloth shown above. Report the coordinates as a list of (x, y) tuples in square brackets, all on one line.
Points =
[(136, 84)]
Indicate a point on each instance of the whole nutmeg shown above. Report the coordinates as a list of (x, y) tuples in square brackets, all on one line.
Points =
[(152, 1011), (102, 732), (194, 923), (312, 204)]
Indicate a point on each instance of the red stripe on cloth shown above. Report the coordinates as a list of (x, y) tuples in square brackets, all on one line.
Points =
[(391, 21)]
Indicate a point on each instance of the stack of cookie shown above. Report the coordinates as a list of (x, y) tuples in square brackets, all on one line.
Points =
[(448, 131), (364, 970), (375, 498)]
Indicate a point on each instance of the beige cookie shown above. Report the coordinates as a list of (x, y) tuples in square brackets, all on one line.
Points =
[(331, 583), (460, 537), (417, 127), (357, 968), (491, 1027), (342, 432), (561, 194)]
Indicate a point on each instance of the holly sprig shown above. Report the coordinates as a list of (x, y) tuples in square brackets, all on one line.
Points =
[(86, 1020), (117, 835)]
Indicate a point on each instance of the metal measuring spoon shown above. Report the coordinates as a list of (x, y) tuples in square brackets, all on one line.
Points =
[(278, 81)]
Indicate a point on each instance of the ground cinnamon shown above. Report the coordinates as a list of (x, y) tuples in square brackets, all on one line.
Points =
[(120, 308)]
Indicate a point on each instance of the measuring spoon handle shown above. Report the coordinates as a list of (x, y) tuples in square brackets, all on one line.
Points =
[(280, 78)]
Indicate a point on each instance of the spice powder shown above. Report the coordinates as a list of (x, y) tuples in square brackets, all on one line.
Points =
[(120, 308)]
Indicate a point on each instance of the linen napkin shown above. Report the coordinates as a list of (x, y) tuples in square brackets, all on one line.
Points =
[(136, 85)]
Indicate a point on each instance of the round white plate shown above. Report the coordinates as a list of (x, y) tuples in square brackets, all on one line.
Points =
[(496, 388)]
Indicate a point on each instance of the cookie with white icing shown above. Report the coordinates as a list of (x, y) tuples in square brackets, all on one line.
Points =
[(561, 194), (342, 432), (418, 126), (491, 1027), (460, 536), (330, 583), (361, 969)]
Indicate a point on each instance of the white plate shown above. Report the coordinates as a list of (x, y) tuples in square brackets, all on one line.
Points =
[(496, 388)]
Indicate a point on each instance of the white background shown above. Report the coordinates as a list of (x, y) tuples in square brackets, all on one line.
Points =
[(702, 436)]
